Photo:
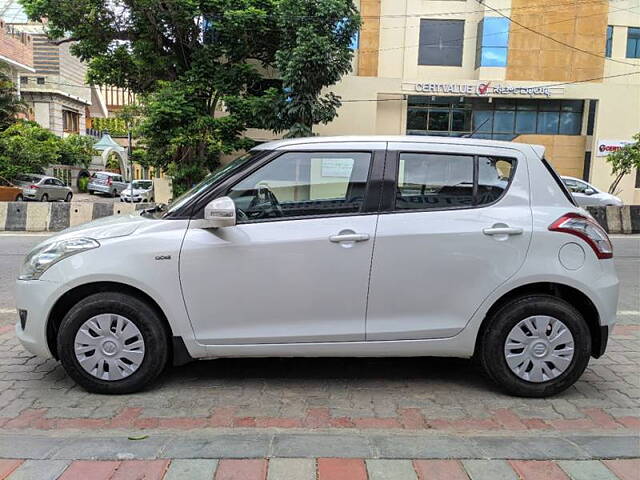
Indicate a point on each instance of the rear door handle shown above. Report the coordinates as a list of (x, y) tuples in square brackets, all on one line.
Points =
[(502, 231), (349, 237)]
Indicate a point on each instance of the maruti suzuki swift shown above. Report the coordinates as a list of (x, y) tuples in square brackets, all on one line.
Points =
[(336, 246)]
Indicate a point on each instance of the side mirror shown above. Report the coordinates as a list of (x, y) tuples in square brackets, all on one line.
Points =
[(589, 191), (220, 212)]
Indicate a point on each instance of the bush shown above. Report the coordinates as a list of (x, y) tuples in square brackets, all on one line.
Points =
[(83, 182)]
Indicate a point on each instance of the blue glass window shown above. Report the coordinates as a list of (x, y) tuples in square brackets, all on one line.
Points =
[(633, 42), (607, 48), (503, 121), (492, 42), (548, 122), (526, 121), (570, 123)]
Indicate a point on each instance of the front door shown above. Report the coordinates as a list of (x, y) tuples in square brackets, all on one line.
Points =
[(296, 267), (457, 225)]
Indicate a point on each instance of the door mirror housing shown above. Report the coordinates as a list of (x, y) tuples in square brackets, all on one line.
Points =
[(220, 212), (589, 191)]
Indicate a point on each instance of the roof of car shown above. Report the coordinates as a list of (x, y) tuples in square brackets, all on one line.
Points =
[(108, 173), (278, 144)]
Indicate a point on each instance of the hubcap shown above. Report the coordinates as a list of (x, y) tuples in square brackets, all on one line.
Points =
[(539, 348), (109, 346)]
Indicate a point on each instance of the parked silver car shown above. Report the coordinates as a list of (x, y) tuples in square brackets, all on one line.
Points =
[(106, 182), (142, 192), (586, 195), (43, 188)]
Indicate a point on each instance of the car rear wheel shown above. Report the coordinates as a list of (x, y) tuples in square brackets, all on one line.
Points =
[(112, 343), (114, 193), (91, 192), (535, 346), (68, 197), (44, 197)]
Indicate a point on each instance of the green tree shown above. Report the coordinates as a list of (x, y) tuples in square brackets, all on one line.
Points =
[(25, 147), (624, 161), (200, 67), (10, 105), (76, 150)]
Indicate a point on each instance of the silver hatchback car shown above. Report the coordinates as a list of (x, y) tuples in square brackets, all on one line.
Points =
[(106, 182), (480, 252), (43, 188)]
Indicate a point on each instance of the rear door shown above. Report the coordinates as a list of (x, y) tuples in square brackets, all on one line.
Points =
[(457, 224)]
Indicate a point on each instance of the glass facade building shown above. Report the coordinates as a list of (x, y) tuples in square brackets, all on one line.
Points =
[(499, 119)]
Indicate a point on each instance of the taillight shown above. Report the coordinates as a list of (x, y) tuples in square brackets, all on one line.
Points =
[(33, 187), (109, 181), (587, 229)]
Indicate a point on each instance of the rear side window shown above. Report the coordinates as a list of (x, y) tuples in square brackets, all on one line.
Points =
[(443, 181)]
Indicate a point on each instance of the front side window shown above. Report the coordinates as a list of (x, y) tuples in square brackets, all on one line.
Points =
[(633, 42), (441, 42), (443, 181), (492, 42), (299, 184)]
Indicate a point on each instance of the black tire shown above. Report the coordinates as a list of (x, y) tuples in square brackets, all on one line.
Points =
[(156, 341), (491, 345), (114, 194), (91, 192), (68, 197), (19, 198), (44, 197)]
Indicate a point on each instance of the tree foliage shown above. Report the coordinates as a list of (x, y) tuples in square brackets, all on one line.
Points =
[(10, 105), (624, 161), (26, 147), (205, 70)]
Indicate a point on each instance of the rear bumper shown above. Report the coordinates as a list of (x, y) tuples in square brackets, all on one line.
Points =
[(99, 188)]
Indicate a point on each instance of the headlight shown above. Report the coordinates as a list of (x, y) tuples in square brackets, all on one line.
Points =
[(40, 259)]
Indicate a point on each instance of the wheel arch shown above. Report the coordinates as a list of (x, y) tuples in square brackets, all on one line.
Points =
[(570, 294), (73, 296)]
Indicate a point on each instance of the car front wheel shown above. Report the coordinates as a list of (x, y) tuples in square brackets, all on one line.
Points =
[(112, 343), (535, 346)]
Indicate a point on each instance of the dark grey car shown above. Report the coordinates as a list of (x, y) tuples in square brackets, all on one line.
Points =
[(43, 188)]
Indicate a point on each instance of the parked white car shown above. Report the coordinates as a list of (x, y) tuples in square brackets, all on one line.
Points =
[(480, 251), (138, 191), (587, 195)]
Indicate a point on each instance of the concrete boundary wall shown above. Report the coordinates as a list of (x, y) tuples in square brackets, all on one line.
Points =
[(53, 217)]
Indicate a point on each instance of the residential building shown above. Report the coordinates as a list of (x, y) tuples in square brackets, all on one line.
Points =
[(16, 52), (54, 90), (562, 74)]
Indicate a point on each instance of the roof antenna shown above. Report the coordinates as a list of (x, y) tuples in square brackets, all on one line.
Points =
[(476, 130)]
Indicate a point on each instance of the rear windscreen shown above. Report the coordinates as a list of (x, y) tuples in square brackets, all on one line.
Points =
[(559, 181)]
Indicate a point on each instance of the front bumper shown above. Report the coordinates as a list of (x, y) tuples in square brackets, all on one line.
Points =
[(126, 198), (37, 298)]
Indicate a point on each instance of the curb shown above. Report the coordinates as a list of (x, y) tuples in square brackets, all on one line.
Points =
[(309, 445), (53, 217)]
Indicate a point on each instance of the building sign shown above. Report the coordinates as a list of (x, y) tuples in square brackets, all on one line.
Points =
[(605, 147), (486, 88)]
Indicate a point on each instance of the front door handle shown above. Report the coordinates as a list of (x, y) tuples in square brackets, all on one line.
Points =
[(349, 237), (502, 231)]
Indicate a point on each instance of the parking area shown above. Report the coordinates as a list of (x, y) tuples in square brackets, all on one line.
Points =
[(395, 399)]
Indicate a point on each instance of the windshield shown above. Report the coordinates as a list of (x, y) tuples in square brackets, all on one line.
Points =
[(210, 180), (142, 184)]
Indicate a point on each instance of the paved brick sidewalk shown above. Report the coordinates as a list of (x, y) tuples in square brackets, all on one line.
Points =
[(320, 469), (399, 394)]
